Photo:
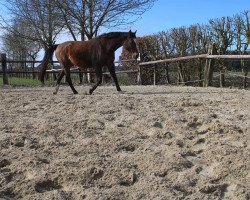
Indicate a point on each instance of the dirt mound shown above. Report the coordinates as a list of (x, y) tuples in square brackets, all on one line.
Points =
[(147, 143)]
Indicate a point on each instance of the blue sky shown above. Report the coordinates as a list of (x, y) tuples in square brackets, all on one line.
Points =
[(167, 14)]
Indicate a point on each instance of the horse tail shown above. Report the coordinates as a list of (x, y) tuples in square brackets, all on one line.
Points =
[(45, 61)]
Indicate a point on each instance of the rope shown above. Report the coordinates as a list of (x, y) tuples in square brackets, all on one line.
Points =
[(56, 70), (238, 75), (195, 81)]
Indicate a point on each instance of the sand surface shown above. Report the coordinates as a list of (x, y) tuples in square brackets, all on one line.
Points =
[(154, 142)]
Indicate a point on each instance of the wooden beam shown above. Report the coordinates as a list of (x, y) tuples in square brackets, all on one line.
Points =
[(172, 59), (228, 56), (206, 56), (4, 69), (209, 67)]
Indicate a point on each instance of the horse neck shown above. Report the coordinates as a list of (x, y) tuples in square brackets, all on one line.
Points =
[(113, 44)]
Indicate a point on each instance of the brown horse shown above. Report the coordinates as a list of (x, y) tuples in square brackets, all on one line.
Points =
[(95, 53)]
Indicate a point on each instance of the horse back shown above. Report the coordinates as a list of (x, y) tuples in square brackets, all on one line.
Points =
[(74, 53)]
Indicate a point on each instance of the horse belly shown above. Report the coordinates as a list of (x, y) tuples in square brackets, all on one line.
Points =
[(80, 59)]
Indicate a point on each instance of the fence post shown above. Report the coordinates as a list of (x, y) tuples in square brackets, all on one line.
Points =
[(4, 69), (139, 75), (167, 74), (154, 74), (244, 68), (33, 70), (80, 75), (209, 68)]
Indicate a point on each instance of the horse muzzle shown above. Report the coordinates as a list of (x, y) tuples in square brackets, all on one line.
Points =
[(135, 55)]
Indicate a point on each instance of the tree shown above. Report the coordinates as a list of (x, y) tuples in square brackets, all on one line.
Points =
[(87, 17), (39, 22), (40, 18), (19, 48), (223, 36), (242, 40), (181, 38)]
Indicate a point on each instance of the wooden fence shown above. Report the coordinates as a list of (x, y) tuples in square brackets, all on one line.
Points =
[(208, 69), (34, 72)]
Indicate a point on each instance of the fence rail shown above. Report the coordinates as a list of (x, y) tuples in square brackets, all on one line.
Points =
[(208, 69), (205, 56)]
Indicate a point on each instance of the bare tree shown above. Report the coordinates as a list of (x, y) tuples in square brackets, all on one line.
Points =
[(87, 17), (40, 22), (223, 37), (40, 18), (242, 40), (181, 38), (246, 28), (167, 49), (19, 48)]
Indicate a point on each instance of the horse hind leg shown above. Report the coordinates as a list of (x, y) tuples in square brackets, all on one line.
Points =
[(59, 78), (68, 79)]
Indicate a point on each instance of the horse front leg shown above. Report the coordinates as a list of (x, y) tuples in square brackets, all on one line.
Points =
[(68, 79), (113, 74), (59, 78), (98, 71)]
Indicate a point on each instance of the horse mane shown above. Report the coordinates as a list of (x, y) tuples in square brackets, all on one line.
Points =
[(113, 35)]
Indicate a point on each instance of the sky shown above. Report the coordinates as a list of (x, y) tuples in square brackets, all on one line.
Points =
[(167, 14)]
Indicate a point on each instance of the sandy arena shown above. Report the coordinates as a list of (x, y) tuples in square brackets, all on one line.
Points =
[(151, 142)]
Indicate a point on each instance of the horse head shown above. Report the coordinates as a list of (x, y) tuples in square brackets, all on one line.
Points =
[(130, 44)]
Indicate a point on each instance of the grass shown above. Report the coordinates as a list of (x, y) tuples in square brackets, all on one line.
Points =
[(15, 81), (125, 79)]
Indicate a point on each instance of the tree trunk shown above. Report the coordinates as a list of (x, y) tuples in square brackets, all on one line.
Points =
[(181, 75), (209, 67), (244, 66), (222, 73), (167, 73), (4, 68)]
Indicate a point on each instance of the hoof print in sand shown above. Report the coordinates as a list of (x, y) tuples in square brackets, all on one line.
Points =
[(200, 141), (165, 135), (127, 179), (182, 165), (217, 189), (7, 194), (157, 125), (180, 143), (161, 173), (96, 173), (47, 185), (18, 142), (4, 163), (92, 175), (126, 148), (43, 160)]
